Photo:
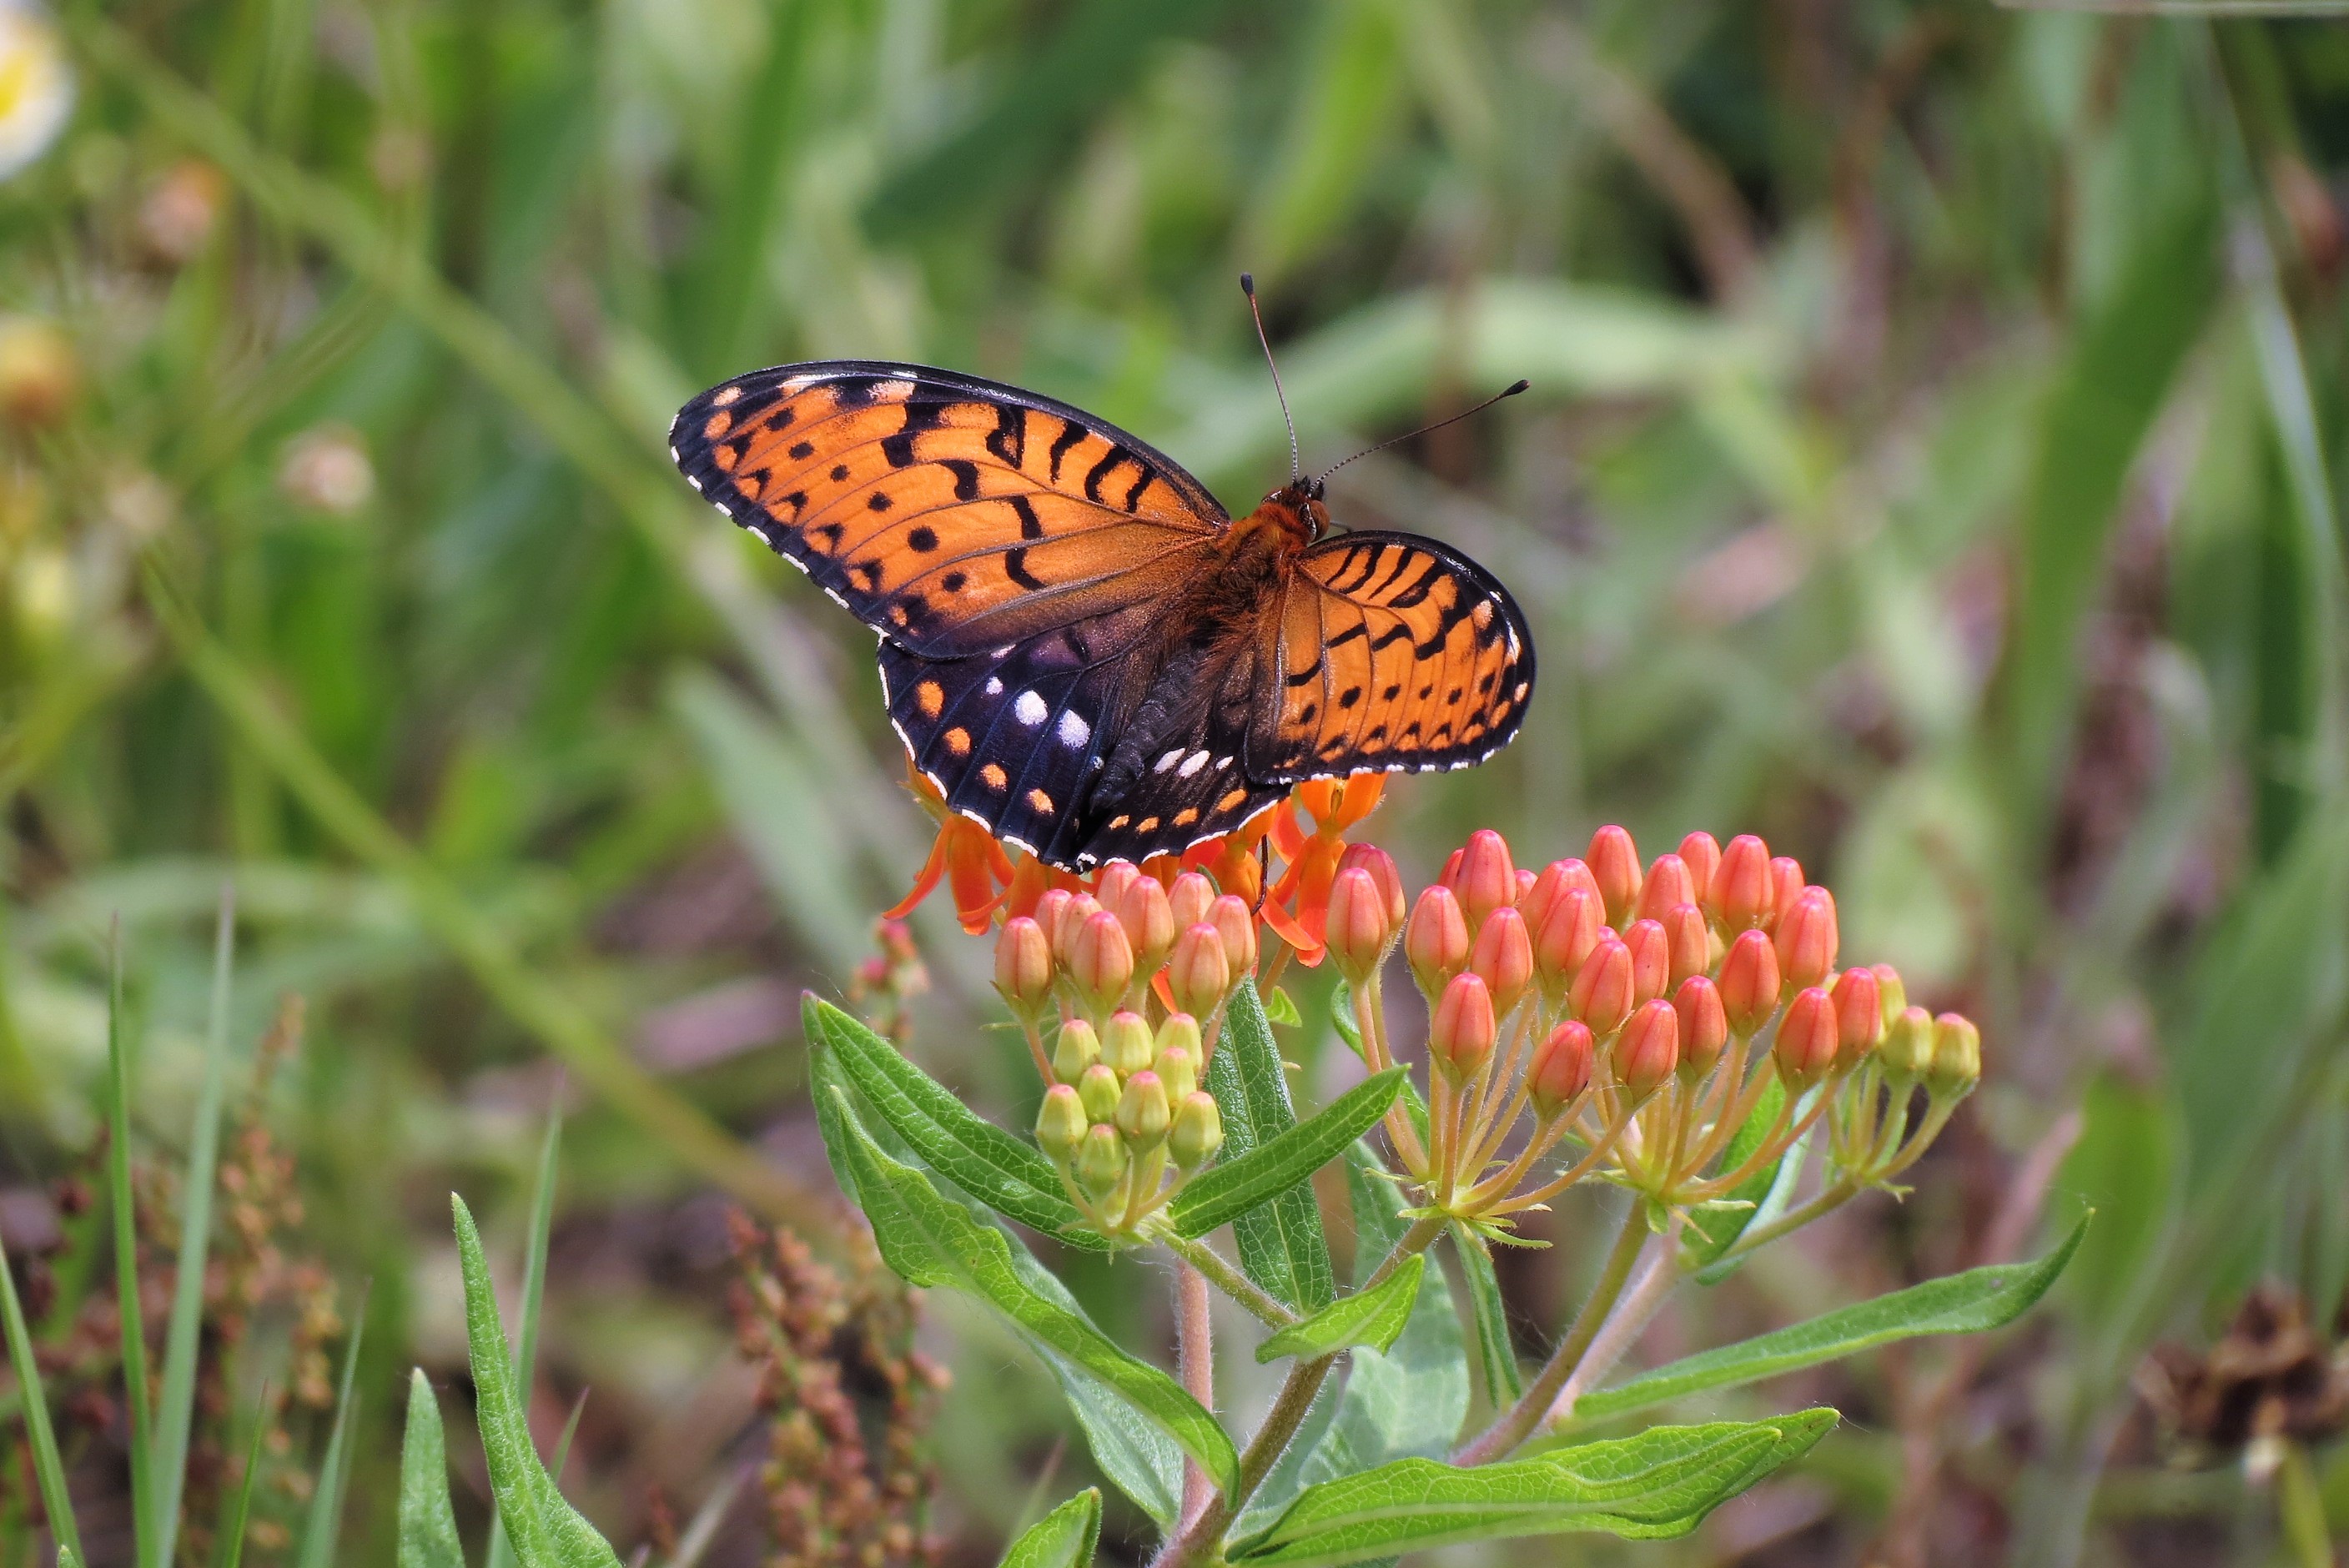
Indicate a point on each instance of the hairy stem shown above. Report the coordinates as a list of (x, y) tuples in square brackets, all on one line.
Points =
[(1658, 1273), (1261, 1304), (1195, 1363)]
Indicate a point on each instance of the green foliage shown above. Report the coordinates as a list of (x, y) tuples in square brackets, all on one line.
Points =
[(428, 1521), (1281, 1244), (1375, 1318), (1064, 1538), (1283, 1165)]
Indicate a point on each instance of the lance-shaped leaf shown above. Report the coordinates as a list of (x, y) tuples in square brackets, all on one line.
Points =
[(1965, 1303), (1064, 1538), (1496, 1351), (1373, 1318), (428, 1521), (1237, 1186), (1660, 1483), (932, 1243), (984, 1161), (1282, 1246)]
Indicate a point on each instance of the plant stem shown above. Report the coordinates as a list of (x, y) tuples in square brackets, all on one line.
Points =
[(2300, 1503), (1261, 1304), (1519, 1422), (1833, 1197), (1652, 1281), (1195, 1361)]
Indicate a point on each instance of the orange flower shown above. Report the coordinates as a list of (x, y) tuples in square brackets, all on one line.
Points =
[(1309, 859), (965, 855)]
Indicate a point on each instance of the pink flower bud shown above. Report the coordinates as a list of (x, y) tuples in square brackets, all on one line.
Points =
[(1197, 973), (1705, 1027), (1449, 877), (1669, 885), (1650, 1048), (1614, 860), (1487, 879), (1739, 892), (1358, 928), (1383, 876), (1235, 921), (1564, 935), (1561, 1068), (1080, 907), (1601, 994), (1504, 956), (1749, 983), (1524, 883), (1702, 855), (1436, 940), (1805, 1048), (1785, 882), (1806, 937), (1148, 916), (1023, 968), (1689, 941), (1536, 903), (1957, 1058), (1190, 898), (1463, 1032), (1051, 905), (1860, 1016), (1110, 884), (1652, 961), (1101, 960)]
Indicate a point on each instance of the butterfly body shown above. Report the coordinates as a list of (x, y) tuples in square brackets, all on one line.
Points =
[(1078, 646)]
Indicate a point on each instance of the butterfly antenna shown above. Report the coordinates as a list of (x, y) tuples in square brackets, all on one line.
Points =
[(1509, 391), (1296, 464)]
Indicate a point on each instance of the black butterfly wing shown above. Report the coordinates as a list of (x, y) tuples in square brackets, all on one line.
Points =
[(1181, 778)]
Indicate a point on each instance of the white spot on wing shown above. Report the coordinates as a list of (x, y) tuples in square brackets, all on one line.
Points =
[(1074, 731), (1163, 763), (1029, 709), (1222, 763), (1192, 764), (995, 686)]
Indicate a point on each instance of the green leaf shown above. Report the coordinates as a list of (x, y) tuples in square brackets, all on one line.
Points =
[(131, 1316), (49, 1470), (932, 1243), (1717, 1230), (323, 1520), (1496, 1353), (990, 1164), (1375, 1318), (1659, 1484), (1966, 1303), (533, 1296), (546, 1531), (1281, 1244), (1284, 1164), (428, 1523), (1064, 1538), (233, 1538), (1280, 1009)]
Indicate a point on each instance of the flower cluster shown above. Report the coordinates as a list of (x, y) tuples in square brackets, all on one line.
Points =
[(1680, 1026)]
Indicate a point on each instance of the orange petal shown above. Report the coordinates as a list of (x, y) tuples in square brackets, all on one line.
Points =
[(932, 869), (1308, 947)]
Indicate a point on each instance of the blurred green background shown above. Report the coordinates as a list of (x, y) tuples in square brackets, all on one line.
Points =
[(1933, 464)]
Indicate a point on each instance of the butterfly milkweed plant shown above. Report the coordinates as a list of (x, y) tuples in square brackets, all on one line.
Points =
[(1676, 1032)]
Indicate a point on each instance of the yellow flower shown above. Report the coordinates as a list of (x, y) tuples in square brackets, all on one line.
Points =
[(35, 85)]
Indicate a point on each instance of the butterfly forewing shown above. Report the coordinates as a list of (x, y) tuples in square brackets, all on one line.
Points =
[(1390, 654), (950, 514)]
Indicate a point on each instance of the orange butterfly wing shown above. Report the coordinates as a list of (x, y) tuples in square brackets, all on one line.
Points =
[(1389, 654), (950, 514)]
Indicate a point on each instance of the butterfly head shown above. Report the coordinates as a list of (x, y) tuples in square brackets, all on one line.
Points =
[(1298, 507)]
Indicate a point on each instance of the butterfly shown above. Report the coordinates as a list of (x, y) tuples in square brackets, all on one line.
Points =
[(1080, 647)]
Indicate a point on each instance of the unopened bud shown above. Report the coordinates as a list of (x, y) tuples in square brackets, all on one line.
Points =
[(1908, 1050), (1704, 1026), (1503, 956), (1101, 1160), (1097, 1091), (1191, 896), (1601, 994), (1197, 1132), (1127, 1045), (1738, 894), (1652, 961), (1749, 983), (1110, 884), (1565, 936), (1807, 938), (1076, 1050), (1614, 860), (1383, 876), (1957, 1058), (1068, 922), (1701, 854), (1148, 916), (1180, 1032), (1178, 1069), (1890, 989), (1101, 960), (1197, 973), (1785, 882), (1804, 1049), (1436, 940), (1649, 1048), (1358, 929), (1463, 1032), (1142, 1112), (1051, 906), (1060, 1123), (1487, 879), (1525, 884), (1023, 968), (1536, 903), (1687, 940), (1561, 1068), (1449, 877), (1860, 1016), (1235, 921), (1669, 885)]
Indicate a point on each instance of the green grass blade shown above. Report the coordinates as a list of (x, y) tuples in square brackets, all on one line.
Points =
[(47, 1469), (428, 1522), (176, 1412), (326, 1516), (126, 1263), (233, 1547), (534, 1294)]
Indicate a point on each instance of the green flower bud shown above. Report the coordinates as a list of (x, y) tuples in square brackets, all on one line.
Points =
[(1957, 1058), (1061, 1124), (1098, 1092), (1142, 1110), (1181, 1032), (1907, 1054), (1077, 1048), (1177, 1070), (1197, 1132), (1101, 1162), (1126, 1045)]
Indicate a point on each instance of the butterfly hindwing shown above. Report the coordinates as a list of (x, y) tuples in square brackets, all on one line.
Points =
[(950, 514), (1389, 653), (1189, 782)]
